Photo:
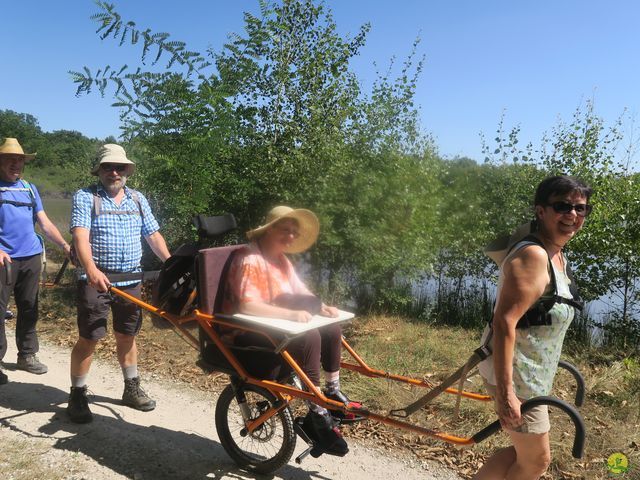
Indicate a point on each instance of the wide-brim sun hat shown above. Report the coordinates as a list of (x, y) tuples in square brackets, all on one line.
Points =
[(112, 153), (11, 146), (498, 249), (308, 226)]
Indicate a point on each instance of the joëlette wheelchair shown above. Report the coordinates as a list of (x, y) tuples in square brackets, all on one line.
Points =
[(253, 416)]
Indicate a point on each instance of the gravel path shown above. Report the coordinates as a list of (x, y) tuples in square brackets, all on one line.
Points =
[(177, 440)]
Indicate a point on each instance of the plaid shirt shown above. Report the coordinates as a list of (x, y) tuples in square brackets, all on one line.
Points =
[(116, 240)]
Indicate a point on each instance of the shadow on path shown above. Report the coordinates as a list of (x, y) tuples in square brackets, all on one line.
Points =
[(135, 451)]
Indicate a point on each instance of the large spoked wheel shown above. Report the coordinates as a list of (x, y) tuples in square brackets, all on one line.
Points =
[(267, 448)]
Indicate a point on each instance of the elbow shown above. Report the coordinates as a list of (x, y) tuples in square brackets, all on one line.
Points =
[(504, 327)]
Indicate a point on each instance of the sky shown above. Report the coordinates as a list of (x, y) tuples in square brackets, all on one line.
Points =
[(532, 63)]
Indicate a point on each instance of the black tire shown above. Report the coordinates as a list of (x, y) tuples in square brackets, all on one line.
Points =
[(266, 449)]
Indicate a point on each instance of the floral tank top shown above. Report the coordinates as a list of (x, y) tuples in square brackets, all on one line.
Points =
[(537, 349)]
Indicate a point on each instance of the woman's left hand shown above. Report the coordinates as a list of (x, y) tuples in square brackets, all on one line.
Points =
[(327, 311)]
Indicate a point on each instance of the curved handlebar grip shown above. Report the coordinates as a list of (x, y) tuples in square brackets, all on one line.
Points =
[(579, 381), (578, 423), (7, 271)]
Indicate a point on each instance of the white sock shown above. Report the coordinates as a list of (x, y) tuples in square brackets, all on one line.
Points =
[(78, 382), (130, 371)]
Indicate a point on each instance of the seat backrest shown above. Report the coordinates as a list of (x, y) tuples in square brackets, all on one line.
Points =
[(213, 265), (212, 227)]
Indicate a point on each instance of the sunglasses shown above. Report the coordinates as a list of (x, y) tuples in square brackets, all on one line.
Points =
[(582, 209), (110, 167)]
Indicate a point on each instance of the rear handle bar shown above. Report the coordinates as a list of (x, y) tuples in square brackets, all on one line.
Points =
[(579, 381)]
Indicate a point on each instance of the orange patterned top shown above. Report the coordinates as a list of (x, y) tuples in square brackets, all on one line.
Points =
[(253, 278)]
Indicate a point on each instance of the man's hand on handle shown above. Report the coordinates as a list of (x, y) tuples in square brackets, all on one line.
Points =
[(98, 280)]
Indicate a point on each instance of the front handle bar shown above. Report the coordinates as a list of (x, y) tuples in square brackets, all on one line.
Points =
[(578, 423)]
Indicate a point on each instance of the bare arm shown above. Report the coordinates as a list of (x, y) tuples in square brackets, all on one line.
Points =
[(51, 232), (525, 278), (261, 309), (95, 277), (158, 245)]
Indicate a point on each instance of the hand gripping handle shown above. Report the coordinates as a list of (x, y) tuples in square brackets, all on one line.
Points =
[(578, 441)]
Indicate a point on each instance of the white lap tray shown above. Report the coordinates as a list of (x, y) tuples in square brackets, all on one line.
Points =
[(289, 327)]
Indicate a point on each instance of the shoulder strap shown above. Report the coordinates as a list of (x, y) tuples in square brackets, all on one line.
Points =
[(28, 185), (97, 201), (135, 196)]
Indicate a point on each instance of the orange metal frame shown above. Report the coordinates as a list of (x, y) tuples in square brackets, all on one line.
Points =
[(286, 393)]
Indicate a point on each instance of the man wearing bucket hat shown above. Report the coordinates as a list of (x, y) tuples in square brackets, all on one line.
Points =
[(20, 253), (263, 282), (108, 222)]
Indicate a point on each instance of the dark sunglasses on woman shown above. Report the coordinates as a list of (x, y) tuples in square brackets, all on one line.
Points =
[(582, 209)]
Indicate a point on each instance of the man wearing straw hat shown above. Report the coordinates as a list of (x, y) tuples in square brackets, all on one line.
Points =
[(20, 254), (108, 222)]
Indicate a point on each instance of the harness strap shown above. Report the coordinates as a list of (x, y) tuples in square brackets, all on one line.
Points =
[(97, 204), (538, 313), (16, 203), (26, 187), (577, 304)]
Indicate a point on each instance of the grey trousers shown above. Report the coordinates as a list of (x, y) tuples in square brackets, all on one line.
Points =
[(24, 282)]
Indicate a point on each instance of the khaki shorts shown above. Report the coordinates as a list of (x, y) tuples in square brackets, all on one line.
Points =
[(535, 420)]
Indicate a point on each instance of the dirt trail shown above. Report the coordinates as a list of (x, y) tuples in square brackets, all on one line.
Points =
[(175, 441)]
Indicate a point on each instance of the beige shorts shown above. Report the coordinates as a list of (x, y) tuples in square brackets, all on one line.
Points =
[(535, 420)]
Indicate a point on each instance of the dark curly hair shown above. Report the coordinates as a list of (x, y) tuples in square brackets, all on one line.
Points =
[(560, 185)]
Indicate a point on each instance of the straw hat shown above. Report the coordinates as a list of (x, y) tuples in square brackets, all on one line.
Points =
[(308, 226), (498, 249), (12, 147), (112, 153)]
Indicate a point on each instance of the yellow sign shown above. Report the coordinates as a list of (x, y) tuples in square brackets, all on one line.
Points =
[(617, 463)]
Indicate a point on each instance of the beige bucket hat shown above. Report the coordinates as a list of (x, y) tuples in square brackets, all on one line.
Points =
[(498, 249), (308, 226), (112, 153), (11, 146)]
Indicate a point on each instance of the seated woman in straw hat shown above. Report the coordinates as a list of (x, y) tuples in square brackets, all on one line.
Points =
[(263, 282)]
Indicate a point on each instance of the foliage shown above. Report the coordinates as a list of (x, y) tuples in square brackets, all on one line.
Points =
[(605, 252), (277, 116), (63, 157)]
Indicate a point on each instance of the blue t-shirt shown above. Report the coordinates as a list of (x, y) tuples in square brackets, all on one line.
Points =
[(17, 233)]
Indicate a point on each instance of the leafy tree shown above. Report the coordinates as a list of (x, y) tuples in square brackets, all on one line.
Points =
[(277, 116)]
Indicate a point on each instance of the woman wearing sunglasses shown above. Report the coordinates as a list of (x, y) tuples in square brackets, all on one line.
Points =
[(526, 341)]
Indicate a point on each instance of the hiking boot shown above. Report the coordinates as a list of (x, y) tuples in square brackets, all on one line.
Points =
[(134, 397), (3, 378), (78, 405), (322, 429), (31, 364), (339, 415)]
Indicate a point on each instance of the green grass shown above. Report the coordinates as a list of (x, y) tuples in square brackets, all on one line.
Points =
[(611, 411), (59, 211)]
